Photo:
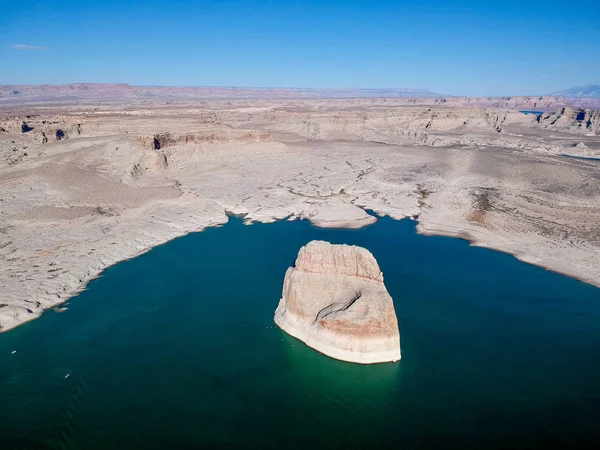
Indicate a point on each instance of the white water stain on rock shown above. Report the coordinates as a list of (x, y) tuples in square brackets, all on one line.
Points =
[(335, 301)]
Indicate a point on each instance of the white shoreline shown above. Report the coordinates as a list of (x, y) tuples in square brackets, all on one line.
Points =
[(357, 221), (71, 208)]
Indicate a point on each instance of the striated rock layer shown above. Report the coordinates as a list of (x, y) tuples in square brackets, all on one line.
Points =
[(335, 301)]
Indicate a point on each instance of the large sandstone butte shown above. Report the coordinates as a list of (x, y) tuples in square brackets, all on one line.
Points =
[(335, 301)]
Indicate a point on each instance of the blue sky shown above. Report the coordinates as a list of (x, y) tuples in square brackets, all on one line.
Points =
[(460, 48)]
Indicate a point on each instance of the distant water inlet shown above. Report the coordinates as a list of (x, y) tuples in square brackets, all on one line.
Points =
[(177, 349), (529, 111)]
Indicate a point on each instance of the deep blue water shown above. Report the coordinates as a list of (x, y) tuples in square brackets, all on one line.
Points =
[(530, 111), (177, 349)]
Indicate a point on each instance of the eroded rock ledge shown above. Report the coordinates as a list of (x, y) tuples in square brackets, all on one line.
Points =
[(334, 300)]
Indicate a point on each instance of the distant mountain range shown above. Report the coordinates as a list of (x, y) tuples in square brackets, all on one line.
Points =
[(590, 91), (91, 90), (579, 97)]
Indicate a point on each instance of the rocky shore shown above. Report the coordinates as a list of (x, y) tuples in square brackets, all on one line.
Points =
[(84, 186)]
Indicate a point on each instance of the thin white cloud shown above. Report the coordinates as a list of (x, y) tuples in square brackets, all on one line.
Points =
[(544, 76), (28, 47)]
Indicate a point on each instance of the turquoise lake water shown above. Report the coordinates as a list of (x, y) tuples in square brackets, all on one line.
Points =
[(177, 349)]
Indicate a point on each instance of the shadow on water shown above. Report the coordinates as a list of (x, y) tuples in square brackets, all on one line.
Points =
[(177, 349)]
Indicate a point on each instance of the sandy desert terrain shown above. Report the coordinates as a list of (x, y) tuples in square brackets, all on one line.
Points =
[(86, 184)]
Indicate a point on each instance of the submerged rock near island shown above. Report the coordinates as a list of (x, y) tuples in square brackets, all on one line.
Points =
[(334, 300)]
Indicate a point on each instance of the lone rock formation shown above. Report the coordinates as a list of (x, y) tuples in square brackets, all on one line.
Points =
[(334, 300)]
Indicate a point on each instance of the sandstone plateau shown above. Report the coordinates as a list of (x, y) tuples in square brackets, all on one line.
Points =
[(334, 300), (87, 183)]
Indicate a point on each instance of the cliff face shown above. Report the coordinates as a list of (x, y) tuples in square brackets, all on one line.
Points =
[(335, 301), (572, 120), (43, 130)]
